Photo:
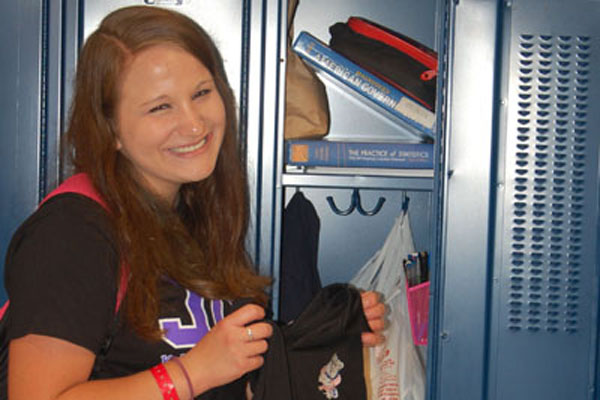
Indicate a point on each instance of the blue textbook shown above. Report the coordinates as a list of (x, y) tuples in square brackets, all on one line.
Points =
[(365, 85), (326, 153)]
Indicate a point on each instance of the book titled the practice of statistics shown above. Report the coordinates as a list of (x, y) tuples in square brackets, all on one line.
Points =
[(329, 153)]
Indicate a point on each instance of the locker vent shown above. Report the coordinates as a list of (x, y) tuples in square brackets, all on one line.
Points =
[(547, 192)]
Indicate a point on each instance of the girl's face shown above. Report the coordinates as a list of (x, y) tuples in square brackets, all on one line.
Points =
[(170, 119)]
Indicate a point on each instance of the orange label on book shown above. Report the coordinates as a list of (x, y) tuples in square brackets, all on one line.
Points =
[(299, 153)]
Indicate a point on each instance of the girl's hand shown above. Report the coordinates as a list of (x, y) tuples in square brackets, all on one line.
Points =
[(374, 311), (229, 350)]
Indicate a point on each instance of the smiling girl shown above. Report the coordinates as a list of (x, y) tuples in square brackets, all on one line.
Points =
[(153, 129)]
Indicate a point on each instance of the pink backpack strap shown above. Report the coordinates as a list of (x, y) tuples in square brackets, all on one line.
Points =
[(4, 308), (78, 183), (82, 184)]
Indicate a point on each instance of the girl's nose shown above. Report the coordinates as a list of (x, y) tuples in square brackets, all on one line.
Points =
[(191, 123)]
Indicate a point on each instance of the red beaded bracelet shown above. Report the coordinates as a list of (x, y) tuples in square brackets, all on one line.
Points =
[(164, 382)]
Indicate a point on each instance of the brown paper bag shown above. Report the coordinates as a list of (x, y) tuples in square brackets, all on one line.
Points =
[(306, 106)]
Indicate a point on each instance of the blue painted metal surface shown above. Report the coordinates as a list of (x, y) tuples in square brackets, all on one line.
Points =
[(347, 242), (444, 23), (459, 368), (268, 115), (20, 115), (545, 292), (518, 295)]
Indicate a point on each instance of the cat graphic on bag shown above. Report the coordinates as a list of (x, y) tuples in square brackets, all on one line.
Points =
[(330, 377)]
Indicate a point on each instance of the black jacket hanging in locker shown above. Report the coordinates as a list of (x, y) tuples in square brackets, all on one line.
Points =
[(318, 356), (299, 277)]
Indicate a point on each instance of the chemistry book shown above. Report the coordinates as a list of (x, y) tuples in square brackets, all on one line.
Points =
[(364, 85), (329, 153)]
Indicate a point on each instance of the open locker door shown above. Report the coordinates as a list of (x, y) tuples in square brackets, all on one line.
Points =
[(520, 300), (543, 319)]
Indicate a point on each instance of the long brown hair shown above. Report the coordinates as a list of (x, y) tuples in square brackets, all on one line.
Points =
[(200, 243)]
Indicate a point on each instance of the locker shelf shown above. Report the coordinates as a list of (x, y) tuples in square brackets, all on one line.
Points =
[(389, 181)]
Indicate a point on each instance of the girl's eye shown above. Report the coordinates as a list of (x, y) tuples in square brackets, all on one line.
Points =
[(202, 92), (160, 107)]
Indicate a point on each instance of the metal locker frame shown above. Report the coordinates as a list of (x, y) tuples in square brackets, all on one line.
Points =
[(22, 121)]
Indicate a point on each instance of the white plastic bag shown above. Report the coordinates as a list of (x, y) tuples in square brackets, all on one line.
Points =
[(395, 367)]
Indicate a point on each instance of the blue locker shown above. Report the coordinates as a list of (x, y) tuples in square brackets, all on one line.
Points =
[(544, 313), (512, 211), (21, 123)]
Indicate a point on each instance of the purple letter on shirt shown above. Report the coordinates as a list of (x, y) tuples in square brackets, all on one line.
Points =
[(181, 336)]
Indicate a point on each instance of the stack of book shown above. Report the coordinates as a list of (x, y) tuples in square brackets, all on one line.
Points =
[(365, 86), (415, 157)]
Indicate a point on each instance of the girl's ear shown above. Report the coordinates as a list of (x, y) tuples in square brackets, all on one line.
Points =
[(118, 144)]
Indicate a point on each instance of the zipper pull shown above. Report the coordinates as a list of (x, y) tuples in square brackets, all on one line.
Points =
[(429, 75)]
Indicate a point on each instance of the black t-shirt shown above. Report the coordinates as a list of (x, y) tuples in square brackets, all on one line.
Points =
[(61, 277)]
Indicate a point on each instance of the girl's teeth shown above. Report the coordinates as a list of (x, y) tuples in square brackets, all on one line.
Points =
[(187, 149)]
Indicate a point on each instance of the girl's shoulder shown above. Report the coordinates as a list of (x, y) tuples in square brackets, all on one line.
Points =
[(70, 233), (61, 272), (67, 215)]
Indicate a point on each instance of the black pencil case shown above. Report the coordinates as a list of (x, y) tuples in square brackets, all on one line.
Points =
[(397, 59)]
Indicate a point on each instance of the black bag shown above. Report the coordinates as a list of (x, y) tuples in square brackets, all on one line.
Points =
[(397, 59)]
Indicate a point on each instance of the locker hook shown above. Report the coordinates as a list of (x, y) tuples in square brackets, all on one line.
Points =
[(355, 203), (350, 208), (405, 202), (373, 211)]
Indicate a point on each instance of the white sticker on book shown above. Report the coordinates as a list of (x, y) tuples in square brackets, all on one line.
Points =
[(416, 112)]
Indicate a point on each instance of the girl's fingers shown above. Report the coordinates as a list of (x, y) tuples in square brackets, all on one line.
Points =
[(257, 331), (257, 347), (255, 362), (370, 339), (369, 299), (376, 325), (246, 315), (375, 312)]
